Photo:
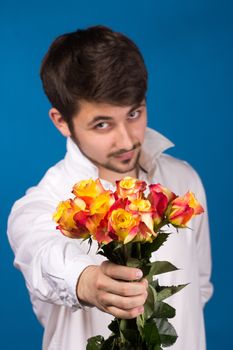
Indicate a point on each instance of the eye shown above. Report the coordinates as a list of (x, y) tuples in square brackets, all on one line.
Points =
[(134, 114), (101, 126)]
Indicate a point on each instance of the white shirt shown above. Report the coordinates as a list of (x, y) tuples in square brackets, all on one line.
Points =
[(52, 263)]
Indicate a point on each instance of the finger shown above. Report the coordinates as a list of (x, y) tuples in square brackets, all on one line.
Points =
[(120, 272), (124, 303), (125, 314), (126, 289)]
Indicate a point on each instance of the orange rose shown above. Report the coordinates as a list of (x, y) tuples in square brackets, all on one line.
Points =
[(143, 208), (88, 190), (160, 197), (124, 224), (130, 188), (102, 203), (183, 209), (103, 235), (145, 231), (64, 216), (141, 205)]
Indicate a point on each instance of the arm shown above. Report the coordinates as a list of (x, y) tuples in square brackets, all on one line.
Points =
[(203, 245), (51, 264), (57, 268)]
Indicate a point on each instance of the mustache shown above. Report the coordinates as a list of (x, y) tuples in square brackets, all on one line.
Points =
[(122, 150)]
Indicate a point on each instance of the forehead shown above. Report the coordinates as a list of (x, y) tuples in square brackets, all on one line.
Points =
[(91, 110)]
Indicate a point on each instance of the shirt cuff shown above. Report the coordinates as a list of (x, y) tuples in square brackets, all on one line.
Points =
[(73, 270)]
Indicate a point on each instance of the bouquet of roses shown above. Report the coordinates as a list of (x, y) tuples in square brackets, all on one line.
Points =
[(127, 224)]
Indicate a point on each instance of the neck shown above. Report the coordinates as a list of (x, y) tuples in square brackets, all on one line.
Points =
[(112, 176)]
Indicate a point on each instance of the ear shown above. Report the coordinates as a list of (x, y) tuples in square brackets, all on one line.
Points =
[(59, 122)]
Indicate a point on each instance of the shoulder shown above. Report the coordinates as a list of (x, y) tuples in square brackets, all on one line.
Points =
[(169, 163), (179, 173), (52, 188)]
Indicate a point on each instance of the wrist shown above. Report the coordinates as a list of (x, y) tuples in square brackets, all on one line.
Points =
[(85, 285)]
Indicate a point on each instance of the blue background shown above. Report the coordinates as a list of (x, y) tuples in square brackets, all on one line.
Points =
[(187, 47)]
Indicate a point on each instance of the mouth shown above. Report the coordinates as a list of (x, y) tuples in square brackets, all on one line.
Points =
[(125, 156)]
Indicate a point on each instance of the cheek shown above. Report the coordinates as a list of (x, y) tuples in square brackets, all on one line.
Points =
[(97, 145), (140, 130)]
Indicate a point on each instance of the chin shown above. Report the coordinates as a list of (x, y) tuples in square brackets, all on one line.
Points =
[(122, 169)]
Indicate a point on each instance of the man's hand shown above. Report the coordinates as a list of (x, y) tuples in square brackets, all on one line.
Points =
[(108, 287)]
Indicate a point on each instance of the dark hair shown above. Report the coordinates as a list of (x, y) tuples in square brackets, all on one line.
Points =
[(95, 65)]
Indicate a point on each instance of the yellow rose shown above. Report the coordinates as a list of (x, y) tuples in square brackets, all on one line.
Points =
[(145, 231), (128, 183), (124, 224), (64, 216), (66, 211), (183, 209), (88, 188), (142, 205), (102, 203), (61, 208), (130, 188)]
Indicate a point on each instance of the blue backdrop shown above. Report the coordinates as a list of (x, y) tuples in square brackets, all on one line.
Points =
[(187, 47)]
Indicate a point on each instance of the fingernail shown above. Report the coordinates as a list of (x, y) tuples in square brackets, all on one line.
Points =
[(139, 274)]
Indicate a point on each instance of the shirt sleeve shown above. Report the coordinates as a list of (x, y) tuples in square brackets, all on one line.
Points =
[(203, 244), (50, 262)]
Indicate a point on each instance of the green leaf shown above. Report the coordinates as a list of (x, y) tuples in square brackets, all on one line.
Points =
[(132, 262), (123, 327), (131, 335), (145, 269), (151, 335), (154, 308), (150, 302), (95, 343), (158, 267), (166, 291), (148, 248), (140, 323), (163, 310), (114, 326), (109, 344), (114, 251), (155, 284), (123, 324), (166, 331)]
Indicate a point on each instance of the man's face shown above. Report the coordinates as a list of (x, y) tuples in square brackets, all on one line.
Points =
[(110, 136)]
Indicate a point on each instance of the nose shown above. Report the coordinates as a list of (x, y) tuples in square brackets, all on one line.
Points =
[(124, 138)]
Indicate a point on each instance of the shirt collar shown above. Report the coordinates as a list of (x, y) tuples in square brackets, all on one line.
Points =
[(153, 146)]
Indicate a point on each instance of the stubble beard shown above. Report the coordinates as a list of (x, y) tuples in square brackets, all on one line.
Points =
[(118, 170), (108, 165)]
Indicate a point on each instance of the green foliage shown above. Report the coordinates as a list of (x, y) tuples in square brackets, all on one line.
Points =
[(158, 267), (163, 310), (132, 262), (151, 334), (150, 302), (95, 343), (114, 326), (167, 332), (151, 330), (165, 292), (149, 248)]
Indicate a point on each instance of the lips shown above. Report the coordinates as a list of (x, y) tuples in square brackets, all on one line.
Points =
[(125, 156)]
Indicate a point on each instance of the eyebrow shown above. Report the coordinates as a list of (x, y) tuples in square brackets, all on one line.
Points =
[(101, 118), (98, 118)]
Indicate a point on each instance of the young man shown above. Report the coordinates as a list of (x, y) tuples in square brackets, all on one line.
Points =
[(96, 82)]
